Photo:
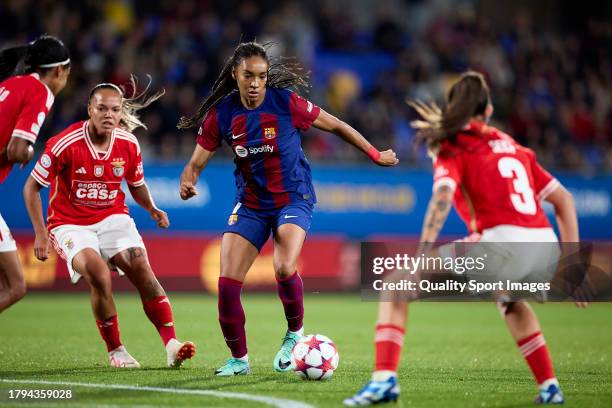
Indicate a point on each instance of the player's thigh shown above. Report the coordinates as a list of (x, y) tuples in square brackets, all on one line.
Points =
[(11, 274), (89, 264), (79, 246), (117, 233), (7, 243), (291, 227), (237, 256), (288, 243), (252, 225)]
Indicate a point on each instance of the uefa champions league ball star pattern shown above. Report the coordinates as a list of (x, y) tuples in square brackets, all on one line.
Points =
[(315, 357)]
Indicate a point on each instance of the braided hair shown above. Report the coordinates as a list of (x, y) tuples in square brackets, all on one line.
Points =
[(281, 74)]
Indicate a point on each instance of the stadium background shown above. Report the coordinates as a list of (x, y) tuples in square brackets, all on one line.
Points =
[(549, 65)]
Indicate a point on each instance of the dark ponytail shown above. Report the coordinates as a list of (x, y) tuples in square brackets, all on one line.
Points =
[(42, 54), (10, 59), (281, 74), (467, 98)]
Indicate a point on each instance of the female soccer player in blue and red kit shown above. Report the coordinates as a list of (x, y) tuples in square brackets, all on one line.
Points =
[(253, 110)]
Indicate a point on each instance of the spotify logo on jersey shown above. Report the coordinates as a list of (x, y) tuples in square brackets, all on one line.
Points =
[(241, 151)]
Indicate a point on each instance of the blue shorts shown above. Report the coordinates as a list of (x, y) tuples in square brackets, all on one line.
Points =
[(256, 225)]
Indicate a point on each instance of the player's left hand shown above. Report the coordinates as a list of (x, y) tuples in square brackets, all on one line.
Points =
[(161, 217), (41, 246), (30, 155), (387, 158)]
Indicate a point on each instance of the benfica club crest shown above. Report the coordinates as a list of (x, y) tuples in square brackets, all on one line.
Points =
[(118, 168), (98, 170)]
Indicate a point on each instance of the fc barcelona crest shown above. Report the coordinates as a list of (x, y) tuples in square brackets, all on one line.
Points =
[(98, 170), (270, 133)]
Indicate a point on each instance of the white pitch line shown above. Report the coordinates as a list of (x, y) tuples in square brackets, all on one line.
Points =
[(275, 402)]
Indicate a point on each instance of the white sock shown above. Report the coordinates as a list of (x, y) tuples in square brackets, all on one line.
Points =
[(299, 332), (244, 358), (383, 375), (544, 386)]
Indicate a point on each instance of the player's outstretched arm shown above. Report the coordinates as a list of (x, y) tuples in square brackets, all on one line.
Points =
[(19, 151), (436, 215), (143, 198), (330, 123), (191, 172), (31, 197)]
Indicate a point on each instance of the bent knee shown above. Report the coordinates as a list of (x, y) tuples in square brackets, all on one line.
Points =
[(100, 284), (284, 270), (18, 292)]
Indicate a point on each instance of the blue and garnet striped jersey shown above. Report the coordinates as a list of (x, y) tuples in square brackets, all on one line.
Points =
[(271, 169)]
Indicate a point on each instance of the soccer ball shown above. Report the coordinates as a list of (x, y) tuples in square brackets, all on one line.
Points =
[(315, 357)]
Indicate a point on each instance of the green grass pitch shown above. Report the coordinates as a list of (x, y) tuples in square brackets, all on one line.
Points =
[(456, 354)]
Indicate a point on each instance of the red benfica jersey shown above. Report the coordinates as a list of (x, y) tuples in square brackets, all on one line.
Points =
[(24, 105), (496, 180), (85, 183)]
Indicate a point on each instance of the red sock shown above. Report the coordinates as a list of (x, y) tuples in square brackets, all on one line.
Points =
[(231, 316), (109, 330), (291, 293), (389, 341), (159, 312), (535, 351)]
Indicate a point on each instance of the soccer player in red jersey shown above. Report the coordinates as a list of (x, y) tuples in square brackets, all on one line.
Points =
[(497, 186), (25, 101), (253, 110), (88, 221)]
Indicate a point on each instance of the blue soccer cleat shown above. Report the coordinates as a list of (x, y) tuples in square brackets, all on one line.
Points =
[(375, 392), (551, 395), (283, 361), (233, 366)]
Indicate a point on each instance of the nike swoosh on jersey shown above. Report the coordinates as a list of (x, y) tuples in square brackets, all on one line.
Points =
[(290, 216), (238, 136)]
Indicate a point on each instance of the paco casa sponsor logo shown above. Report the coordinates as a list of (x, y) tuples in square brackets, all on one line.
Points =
[(242, 151), (95, 191)]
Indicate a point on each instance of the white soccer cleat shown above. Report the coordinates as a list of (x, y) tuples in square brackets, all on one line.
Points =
[(120, 358), (179, 352)]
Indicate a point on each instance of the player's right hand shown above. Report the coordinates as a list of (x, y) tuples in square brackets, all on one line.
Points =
[(187, 190), (41, 246), (387, 158)]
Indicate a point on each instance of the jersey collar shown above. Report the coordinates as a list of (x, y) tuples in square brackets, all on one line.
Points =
[(92, 148)]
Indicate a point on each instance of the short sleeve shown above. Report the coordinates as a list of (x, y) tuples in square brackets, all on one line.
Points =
[(135, 173), (543, 182), (33, 114), (447, 171), (46, 167), (209, 135), (303, 112)]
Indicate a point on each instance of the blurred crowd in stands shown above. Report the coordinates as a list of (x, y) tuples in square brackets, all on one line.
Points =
[(552, 86)]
